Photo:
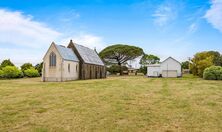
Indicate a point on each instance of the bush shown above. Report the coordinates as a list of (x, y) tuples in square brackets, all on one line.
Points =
[(143, 69), (12, 72), (32, 72), (26, 66), (116, 69), (213, 73)]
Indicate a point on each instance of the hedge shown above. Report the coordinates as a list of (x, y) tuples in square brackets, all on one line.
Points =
[(213, 73), (11, 72), (32, 72)]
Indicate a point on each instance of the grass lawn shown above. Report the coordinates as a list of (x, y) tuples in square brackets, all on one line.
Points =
[(113, 104)]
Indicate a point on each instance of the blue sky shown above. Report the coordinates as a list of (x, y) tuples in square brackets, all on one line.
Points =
[(177, 28)]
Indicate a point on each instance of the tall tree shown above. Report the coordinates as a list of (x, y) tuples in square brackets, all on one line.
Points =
[(39, 67), (149, 59), (119, 54), (205, 59), (5, 63)]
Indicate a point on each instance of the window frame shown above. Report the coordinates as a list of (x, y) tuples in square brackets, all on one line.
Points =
[(52, 59)]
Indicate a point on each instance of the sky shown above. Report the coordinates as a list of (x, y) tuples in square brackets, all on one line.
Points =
[(177, 28)]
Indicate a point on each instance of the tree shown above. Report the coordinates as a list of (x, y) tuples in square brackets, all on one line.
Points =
[(26, 66), (203, 60), (39, 67), (6, 63), (217, 57), (119, 54), (31, 72), (149, 59), (185, 64)]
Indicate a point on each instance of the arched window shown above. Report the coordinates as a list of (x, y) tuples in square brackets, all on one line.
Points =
[(52, 59)]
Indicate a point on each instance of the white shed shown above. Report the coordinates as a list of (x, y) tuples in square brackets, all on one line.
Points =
[(168, 68)]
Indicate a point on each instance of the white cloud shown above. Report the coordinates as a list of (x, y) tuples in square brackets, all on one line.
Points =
[(214, 14), (164, 14), (24, 40), (17, 29), (87, 40), (193, 28)]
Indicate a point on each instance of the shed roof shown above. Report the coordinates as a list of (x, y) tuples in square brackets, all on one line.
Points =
[(88, 55), (172, 59), (66, 53)]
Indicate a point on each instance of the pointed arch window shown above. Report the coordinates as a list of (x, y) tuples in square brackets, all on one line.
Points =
[(52, 59)]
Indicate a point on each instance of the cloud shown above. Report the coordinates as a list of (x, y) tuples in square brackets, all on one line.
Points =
[(193, 28), (17, 29), (214, 14), (23, 39), (88, 40), (164, 14)]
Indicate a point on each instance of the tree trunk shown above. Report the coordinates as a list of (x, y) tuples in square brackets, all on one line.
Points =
[(121, 71)]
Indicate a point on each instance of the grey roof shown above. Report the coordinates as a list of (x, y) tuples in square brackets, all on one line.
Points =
[(170, 58), (66, 53), (88, 55)]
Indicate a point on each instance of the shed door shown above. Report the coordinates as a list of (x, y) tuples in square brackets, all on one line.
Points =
[(169, 73)]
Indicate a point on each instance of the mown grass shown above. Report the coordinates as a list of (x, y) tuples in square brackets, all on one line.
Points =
[(126, 103)]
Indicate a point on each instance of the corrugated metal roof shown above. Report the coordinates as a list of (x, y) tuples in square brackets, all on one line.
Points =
[(67, 53), (89, 55)]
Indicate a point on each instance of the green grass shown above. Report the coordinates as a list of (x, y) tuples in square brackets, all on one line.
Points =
[(126, 103)]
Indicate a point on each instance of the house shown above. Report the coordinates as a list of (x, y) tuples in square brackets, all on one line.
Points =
[(168, 68), (74, 62)]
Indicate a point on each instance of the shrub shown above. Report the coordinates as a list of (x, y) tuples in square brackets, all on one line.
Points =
[(11, 72), (143, 69), (213, 73), (32, 72), (116, 69), (26, 66)]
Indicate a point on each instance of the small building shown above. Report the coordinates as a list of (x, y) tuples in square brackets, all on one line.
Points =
[(168, 68), (74, 62)]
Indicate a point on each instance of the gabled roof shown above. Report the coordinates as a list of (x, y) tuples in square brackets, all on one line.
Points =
[(171, 58), (158, 65), (88, 55), (66, 53)]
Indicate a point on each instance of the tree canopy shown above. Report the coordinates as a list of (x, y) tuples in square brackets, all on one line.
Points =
[(26, 66), (6, 63), (149, 59), (39, 67), (205, 59), (185, 64), (120, 54)]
